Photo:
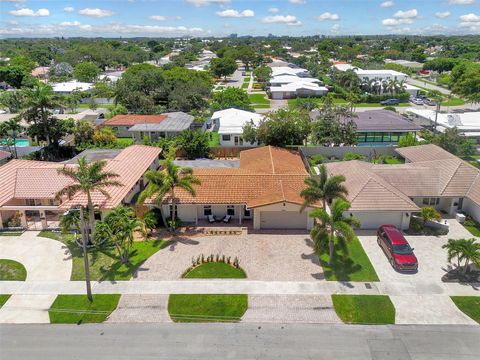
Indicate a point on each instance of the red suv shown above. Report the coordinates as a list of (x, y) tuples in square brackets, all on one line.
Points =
[(397, 248)]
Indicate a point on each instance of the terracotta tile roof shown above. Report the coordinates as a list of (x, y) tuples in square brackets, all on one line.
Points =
[(132, 119), (266, 175), (24, 179), (428, 152), (130, 165)]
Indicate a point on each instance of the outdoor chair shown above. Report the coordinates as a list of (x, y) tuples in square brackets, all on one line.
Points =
[(211, 219), (227, 219)]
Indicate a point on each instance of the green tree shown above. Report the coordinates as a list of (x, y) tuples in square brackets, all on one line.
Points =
[(231, 98), (246, 54), (119, 227), (104, 137), (334, 125), (165, 182), (83, 133), (61, 71), (466, 250), (280, 128), (429, 213), (23, 62), (408, 140), (263, 73), (13, 126), (323, 188), (223, 67), (194, 144), (333, 227), (86, 71), (12, 75), (11, 100), (88, 178)]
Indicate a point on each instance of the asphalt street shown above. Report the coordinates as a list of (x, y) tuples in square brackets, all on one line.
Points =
[(238, 341)]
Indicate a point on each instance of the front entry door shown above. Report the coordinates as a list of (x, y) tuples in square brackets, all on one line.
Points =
[(33, 220)]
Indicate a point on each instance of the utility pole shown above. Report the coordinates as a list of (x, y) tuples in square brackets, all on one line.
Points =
[(85, 255), (437, 110)]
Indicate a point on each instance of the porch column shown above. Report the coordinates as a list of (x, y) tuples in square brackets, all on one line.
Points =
[(1, 221), (196, 214), (23, 219), (43, 219), (240, 215)]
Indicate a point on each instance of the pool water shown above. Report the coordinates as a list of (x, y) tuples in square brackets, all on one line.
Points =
[(18, 142)]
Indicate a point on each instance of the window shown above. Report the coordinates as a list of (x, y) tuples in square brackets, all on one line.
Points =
[(231, 210), (370, 137), (395, 136), (247, 212), (51, 202), (378, 137), (176, 211), (226, 137), (361, 137), (431, 201), (207, 210), (386, 137), (30, 202)]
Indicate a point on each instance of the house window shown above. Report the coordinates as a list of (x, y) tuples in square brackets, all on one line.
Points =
[(395, 136), (231, 210), (207, 210), (171, 212), (226, 137), (51, 202), (30, 202), (247, 212), (361, 137), (370, 137), (386, 137), (431, 201)]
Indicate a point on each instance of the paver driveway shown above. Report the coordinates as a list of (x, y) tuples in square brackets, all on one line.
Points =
[(44, 259), (428, 304), (262, 256)]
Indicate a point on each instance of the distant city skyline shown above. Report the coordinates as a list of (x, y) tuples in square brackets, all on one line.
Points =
[(172, 18)]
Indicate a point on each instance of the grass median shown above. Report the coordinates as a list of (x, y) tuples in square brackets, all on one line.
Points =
[(364, 309), (11, 270)]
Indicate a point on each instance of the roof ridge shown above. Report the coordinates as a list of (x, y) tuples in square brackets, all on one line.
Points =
[(271, 159), (451, 177), (374, 178)]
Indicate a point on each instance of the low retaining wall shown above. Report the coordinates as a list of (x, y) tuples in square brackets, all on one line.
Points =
[(339, 151)]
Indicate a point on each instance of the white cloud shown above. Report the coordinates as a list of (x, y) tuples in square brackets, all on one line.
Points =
[(207, 2), (235, 13), (297, 1), (396, 22), (461, 2), (408, 14), (273, 10), (387, 4), (95, 12), (328, 16), (470, 18), (70, 23), (282, 19), (68, 9), (30, 12), (442, 15), (13, 1), (158, 17), (335, 29)]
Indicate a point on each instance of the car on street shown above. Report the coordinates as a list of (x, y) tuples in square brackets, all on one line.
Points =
[(417, 101), (390, 102), (396, 248), (429, 102)]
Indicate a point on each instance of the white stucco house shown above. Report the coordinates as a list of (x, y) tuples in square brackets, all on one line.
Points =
[(297, 89), (229, 124)]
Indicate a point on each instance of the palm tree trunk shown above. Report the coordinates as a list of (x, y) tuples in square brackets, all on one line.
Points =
[(331, 247), (91, 216), (172, 194), (15, 145)]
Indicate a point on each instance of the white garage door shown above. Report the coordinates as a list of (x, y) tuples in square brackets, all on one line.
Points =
[(372, 220), (283, 220)]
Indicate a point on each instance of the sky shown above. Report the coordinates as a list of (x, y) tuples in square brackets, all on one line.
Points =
[(173, 18)]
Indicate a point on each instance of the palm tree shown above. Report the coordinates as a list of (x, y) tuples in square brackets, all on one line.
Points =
[(165, 181), (88, 178), (333, 226), (324, 188), (13, 125), (467, 250), (37, 105), (438, 97)]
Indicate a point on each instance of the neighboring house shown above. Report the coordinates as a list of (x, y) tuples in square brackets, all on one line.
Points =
[(28, 188), (264, 191), (230, 122), (287, 70), (68, 87), (297, 89), (152, 126), (467, 123), (389, 194), (410, 64), (379, 127), (41, 72), (288, 79)]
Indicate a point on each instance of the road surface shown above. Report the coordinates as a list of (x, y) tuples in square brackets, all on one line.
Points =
[(238, 341), (426, 85)]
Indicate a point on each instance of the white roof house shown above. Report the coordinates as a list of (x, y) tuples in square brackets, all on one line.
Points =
[(343, 67), (69, 86), (230, 122), (468, 123), (381, 75), (299, 88), (288, 79), (286, 70)]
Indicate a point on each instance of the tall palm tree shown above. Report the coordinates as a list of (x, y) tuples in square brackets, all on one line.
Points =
[(165, 181), (323, 188), (13, 125), (331, 226), (37, 105), (437, 97), (88, 178)]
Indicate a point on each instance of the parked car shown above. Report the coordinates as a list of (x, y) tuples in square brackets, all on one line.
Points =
[(390, 102), (429, 102), (397, 248), (417, 101)]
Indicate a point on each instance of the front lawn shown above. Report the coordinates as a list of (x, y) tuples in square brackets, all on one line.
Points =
[(76, 309), (259, 99), (207, 308), (214, 139), (364, 309), (472, 226), (104, 261), (245, 85), (12, 233), (453, 102), (356, 267), (215, 270), (11, 270), (3, 299), (469, 305), (379, 105)]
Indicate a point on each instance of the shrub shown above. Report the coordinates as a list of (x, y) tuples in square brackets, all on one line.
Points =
[(429, 213), (316, 159), (352, 156)]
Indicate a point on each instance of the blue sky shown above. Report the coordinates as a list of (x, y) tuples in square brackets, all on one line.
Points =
[(167, 18)]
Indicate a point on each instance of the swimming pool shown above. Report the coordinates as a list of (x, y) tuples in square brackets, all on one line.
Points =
[(18, 142)]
